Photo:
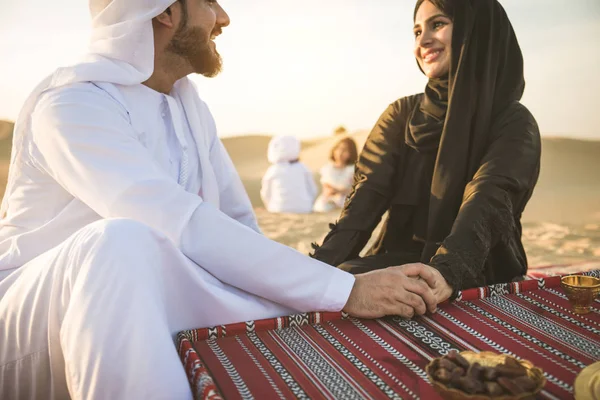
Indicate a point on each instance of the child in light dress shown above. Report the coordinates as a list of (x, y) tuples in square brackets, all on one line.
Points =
[(337, 176), (288, 185)]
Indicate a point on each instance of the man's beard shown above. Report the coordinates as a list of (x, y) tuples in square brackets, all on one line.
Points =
[(193, 45)]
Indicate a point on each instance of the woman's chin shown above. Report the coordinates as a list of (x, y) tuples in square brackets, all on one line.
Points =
[(435, 72)]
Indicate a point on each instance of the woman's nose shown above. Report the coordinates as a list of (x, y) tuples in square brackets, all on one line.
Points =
[(425, 38)]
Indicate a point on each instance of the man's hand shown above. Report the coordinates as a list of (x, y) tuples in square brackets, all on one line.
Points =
[(438, 284), (393, 291)]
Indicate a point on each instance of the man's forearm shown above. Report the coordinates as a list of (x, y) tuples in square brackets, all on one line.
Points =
[(238, 256)]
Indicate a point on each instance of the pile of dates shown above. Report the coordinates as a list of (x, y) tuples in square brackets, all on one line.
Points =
[(507, 379)]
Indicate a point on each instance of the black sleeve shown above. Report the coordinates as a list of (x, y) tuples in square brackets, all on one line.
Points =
[(371, 192), (493, 200)]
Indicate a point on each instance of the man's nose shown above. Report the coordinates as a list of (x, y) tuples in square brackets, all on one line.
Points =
[(222, 17)]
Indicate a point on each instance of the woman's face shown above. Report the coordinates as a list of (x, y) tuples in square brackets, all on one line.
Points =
[(433, 40), (341, 154)]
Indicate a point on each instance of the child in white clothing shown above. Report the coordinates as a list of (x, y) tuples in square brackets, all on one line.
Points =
[(337, 176), (288, 185)]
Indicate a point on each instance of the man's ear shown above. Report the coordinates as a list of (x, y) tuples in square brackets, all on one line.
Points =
[(166, 18)]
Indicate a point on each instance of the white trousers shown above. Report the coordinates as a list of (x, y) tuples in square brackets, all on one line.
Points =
[(96, 317)]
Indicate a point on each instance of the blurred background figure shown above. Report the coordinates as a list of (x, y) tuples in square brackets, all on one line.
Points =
[(336, 176), (340, 130), (288, 185)]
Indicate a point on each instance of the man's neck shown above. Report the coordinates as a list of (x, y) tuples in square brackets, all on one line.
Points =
[(166, 74)]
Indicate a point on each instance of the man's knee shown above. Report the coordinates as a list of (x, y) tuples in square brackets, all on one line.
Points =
[(117, 247), (119, 238)]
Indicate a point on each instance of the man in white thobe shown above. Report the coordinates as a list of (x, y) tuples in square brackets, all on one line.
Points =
[(124, 221)]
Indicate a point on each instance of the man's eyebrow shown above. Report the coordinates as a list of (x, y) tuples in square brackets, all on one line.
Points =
[(432, 17)]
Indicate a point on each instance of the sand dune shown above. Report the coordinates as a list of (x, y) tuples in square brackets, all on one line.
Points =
[(561, 223), (568, 191), (6, 128)]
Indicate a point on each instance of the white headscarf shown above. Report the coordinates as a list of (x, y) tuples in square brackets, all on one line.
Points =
[(283, 149), (121, 51)]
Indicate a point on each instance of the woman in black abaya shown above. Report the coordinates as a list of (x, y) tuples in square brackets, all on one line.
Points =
[(454, 166)]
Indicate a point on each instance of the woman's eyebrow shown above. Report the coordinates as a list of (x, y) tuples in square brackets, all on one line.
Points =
[(430, 18)]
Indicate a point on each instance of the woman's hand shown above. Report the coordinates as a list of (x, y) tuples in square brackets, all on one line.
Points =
[(437, 283)]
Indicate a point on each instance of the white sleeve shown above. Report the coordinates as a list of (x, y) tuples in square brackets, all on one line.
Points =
[(237, 255), (88, 146), (233, 198)]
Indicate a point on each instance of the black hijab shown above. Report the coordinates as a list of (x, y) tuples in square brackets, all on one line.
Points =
[(456, 115)]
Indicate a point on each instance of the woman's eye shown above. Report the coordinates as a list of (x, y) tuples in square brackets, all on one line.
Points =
[(417, 33), (438, 24)]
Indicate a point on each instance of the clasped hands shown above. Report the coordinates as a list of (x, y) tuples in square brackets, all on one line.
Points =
[(406, 291)]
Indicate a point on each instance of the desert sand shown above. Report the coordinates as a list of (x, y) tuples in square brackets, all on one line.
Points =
[(561, 222)]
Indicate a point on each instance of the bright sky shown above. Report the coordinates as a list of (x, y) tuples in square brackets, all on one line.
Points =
[(302, 67)]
